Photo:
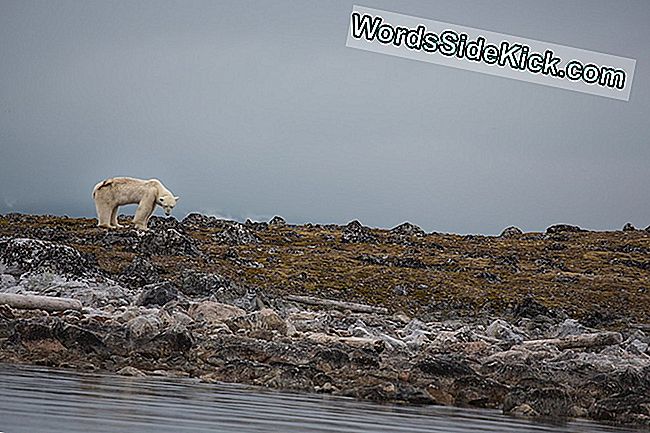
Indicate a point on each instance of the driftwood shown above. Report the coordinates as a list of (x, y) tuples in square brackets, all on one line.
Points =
[(34, 302), (339, 305), (597, 339)]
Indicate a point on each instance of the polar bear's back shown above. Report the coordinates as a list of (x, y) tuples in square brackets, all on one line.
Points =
[(121, 183)]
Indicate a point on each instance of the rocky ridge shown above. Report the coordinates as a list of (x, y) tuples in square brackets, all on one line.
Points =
[(156, 303)]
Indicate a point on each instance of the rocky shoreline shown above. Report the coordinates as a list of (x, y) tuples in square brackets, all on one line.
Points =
[(188, 298)]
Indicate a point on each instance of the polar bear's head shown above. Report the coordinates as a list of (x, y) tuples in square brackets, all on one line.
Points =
[(167, 202)]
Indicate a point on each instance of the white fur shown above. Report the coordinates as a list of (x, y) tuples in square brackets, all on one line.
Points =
[(118, 191)]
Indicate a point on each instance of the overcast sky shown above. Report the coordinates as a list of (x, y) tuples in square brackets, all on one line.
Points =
[(251, 109)]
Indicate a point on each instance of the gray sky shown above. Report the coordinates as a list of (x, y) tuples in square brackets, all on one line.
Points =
[(251, 109)]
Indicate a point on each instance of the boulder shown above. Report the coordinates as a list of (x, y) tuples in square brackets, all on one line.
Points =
[(263, 320), (167, 242), (140, 272), (407, 229), (354, 232), (563, 228), (511, 232), (197, 221), (502, 330), (20, 255), (237, 234), (628, 227), (214, 312), (277, 221), (144, 326), (157, 294)]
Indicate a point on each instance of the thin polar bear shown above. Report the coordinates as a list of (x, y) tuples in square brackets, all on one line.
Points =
[(112, 193)]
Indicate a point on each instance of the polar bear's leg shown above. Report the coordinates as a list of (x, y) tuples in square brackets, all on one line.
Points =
[(144, 211), (114, 222), (103, 215)]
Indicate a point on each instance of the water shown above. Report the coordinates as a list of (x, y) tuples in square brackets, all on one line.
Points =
[(35, 399)]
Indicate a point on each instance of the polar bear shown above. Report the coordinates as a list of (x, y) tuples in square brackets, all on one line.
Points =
[(117, 191)]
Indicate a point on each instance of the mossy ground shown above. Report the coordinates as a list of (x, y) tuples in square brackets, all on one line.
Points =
[(593, 276)]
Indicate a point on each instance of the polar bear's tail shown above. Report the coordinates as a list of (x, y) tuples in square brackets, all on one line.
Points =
[(101, 184)]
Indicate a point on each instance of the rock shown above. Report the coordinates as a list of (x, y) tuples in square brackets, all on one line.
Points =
[(263, 320), (631, 406), (444, 366), (530, 308), (75, 337), (130, 371), (31, 255), (159, 223), (570, 327), (127, 239), (7, 281), (175, 340), (140, 272), (213, 312), (256, 225), (637, 347), (277, 221), (144, 326), (407, 229), (354, 232), (167, 242), (563, 228), (157, 294), (550, 401), (628, 227), (502, 330), (523, 410), (237, 234), (511, 232), (197, 221), (201, 283)]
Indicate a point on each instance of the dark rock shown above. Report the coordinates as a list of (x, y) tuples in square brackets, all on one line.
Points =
[(556, 246), (195, 283), (197, 221), (25, 255), (444, 366), (529, 308), (511, 232), (477, 391), (127, 239), (628, 227), (167, 242), (177, 339), (564, 228), (164, 223), (33, 330), (256, 225), (600, 319), (407, 229), (140, 272), (77, 338), (157, 294), (552, 401), (237, 234), (354, 232), (277, 221)]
